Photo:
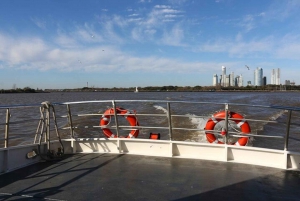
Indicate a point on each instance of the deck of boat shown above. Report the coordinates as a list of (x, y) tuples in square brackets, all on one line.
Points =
[(132, 177)]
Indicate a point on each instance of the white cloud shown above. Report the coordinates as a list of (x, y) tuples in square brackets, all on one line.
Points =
[(289, 47), (65, 41), (33, 53), (162, 13), (177, 1), (133, 15), (248, 22), (20, 50), (280, 10), (162, 6), (145, 1), (173, 37), (268, 47), (39, 22), (239, 47)]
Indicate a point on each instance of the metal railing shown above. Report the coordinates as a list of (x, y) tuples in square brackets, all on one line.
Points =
[(170, 128)]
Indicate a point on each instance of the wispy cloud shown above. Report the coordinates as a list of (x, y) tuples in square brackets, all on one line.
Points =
[(268, 47), (21, 50), (248, 22), (280, 10), (39, 22), (34, 53), (162, 13), (174, 37)]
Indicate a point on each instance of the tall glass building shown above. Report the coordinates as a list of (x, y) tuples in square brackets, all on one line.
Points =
[(275, 76), (223, 83), (215, 80), (258, 77), (239, 81)]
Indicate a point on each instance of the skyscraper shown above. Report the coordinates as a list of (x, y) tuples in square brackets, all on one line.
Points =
[(239, 81), (275, 76), (215, 80), (223, 76), (227, 81), (232, 83), (258, 77)]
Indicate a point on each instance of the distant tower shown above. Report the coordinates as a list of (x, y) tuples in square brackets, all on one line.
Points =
[(264, 81), (275, 76), (258, 76), (232, 79), (239, 81), (223, 76), (215, 80), (227, 81)]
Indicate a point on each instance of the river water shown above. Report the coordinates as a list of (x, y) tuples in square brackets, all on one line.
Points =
[(23, 131)]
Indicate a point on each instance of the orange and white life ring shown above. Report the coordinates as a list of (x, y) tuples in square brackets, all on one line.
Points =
[(237, 118), (131, 118)]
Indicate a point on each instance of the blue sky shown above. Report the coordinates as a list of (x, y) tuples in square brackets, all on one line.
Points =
[(112, 43)]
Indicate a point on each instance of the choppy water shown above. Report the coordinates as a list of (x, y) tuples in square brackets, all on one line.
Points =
[(21, 131)]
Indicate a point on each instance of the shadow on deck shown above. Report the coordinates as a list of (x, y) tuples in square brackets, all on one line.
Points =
[(131, 177)]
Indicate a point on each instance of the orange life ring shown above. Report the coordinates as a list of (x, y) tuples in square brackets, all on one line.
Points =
[(237, 118), (105, 119)]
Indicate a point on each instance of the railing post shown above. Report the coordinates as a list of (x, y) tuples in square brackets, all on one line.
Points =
[(48, 126), (287, 134), (169, 120), (116, 117), (117, 126), (70, 120), (226, 122), (7, 128)]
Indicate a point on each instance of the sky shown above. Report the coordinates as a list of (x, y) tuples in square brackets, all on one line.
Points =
[(58, 44)]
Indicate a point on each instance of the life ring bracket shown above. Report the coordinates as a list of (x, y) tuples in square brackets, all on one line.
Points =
[(129, 116), (240, 121)]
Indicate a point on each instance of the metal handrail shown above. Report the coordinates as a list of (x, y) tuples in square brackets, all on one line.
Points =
[(169, 116)]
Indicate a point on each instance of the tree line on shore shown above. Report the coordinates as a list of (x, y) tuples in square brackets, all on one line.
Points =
[(19, 90), (160, 89)]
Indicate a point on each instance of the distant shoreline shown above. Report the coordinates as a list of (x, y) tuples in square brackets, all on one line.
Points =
[(148, 89)]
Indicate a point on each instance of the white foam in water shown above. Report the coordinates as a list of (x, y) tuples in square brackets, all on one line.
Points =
[(161, 108), (200, 123), (277, 115)]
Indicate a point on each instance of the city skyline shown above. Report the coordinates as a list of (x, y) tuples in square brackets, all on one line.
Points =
[(259, 79)]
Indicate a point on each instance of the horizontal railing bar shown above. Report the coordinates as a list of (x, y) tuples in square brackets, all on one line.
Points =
[(164, 115), (16, 122), (19, 106), (267, 136), (154, 101), (186, 102), (191, 116), (132, 114), (114, 127), (237, 119)]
